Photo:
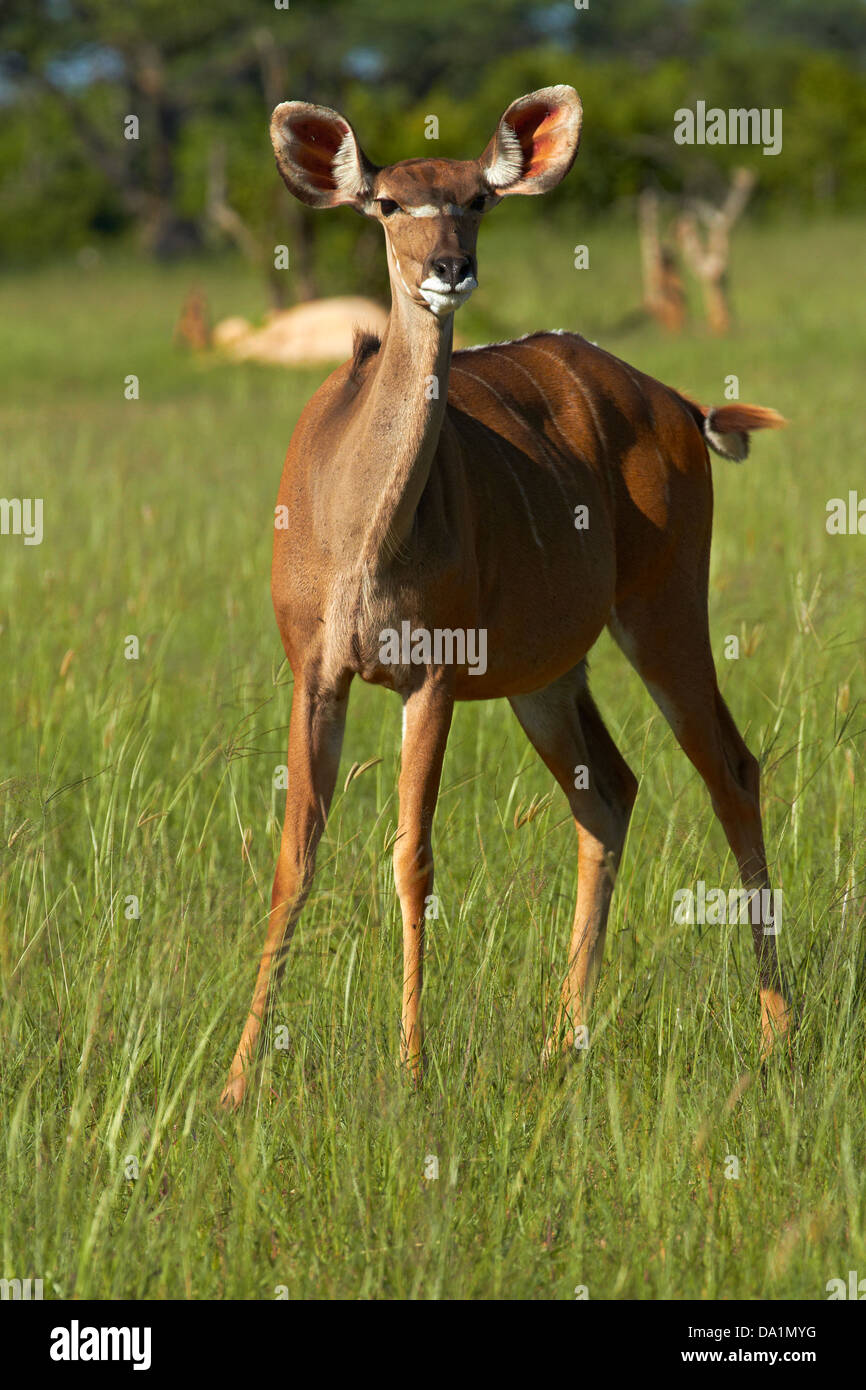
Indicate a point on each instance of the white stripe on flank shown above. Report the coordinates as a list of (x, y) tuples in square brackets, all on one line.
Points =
[(579, 384), (569, 506), (494, 392), (637, 384)]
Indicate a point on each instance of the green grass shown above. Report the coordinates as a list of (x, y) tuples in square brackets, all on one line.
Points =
[(143, 778)]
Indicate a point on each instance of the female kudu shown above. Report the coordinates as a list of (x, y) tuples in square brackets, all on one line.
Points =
[(440, 489)]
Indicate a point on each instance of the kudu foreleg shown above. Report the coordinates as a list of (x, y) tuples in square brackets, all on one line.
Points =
[(427, 716), (315, 740)]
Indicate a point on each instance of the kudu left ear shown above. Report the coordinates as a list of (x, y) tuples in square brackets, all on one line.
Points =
[(535, 142)]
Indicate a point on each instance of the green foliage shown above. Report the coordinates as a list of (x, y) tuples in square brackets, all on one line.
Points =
[(202, 75), (51, 198)]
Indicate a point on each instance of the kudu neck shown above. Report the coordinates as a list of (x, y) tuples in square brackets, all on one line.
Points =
[(407, 397)]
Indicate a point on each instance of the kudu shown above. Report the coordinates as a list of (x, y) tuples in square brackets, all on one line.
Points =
[(442, 490)]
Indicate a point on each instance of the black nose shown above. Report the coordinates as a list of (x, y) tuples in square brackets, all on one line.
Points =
[(452, 269)]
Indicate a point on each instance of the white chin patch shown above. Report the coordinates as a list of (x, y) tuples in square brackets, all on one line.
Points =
[(441, 299)]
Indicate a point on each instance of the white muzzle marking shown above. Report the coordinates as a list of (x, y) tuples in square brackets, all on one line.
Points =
[(441, 299)]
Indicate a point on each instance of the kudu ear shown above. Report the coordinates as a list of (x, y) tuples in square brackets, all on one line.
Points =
[(319, 156), (535, 142)]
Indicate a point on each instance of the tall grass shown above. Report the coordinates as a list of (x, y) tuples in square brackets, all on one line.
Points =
[(152, 779)]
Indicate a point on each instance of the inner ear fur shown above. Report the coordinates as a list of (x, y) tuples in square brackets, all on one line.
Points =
[(535, 143)]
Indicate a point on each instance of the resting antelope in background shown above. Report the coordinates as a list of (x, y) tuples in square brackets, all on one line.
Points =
[(455, 509)]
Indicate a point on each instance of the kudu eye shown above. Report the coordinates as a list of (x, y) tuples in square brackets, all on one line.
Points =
[(478, 204), (388, 207)]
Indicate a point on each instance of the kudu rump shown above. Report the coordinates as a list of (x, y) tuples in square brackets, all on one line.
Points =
[(439, 490)]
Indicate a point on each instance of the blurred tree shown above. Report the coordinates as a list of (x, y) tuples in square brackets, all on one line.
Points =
[(98, 63), (94, 63), (203, 79)]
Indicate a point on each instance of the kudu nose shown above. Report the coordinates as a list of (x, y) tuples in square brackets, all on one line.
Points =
[(452, 269)]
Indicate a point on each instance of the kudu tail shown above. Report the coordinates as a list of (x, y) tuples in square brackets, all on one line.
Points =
[(726, 428)]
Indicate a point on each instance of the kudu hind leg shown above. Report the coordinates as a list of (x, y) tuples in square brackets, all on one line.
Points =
[(567, 731), (315, 741), (676, 664)]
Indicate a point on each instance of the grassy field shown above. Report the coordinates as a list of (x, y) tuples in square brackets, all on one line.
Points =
[(153, 779)]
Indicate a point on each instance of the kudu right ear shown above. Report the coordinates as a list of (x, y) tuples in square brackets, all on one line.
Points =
[(319, 157)]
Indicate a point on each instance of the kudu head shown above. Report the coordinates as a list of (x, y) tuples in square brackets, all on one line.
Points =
[(430, 208)]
